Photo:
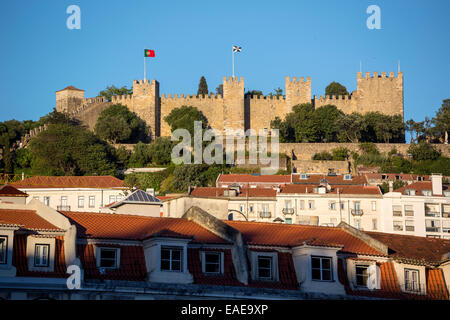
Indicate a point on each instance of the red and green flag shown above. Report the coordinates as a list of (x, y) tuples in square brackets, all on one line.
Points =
[(149, 53)]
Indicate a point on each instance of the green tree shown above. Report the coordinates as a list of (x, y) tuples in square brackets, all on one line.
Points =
[(114, 91), (423, 151), (202, 87), (350, 127), (141, 155), (118, 124), (442, 121), (184, 117), (122, 156), (340, 154), (64, 149), (160, 150), (23, 158), (336, 89)]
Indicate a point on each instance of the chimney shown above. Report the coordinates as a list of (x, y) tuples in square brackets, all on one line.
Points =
[(150, 191), (436, 183)]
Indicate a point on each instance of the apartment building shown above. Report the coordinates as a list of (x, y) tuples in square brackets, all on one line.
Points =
[(420, 208), (124, 256), (251, 180), (74, 193)]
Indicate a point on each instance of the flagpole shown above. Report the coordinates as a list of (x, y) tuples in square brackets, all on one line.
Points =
[(232, 58), (144, 68)]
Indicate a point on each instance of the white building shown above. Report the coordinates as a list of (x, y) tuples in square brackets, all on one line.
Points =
[(420, 208), (74, 193)]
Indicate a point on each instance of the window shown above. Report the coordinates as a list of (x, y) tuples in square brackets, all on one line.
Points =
[(409, 225), (374, 205), (362, 274), (212, 262), (426, 193), (81, 202), (397, 211), (264, 267), (321, 269), (410, 192), (412, 280), (41, 255), (311, 204), (118, 198), (3, 249), (289, 220), (348, 177), (374, 224), (63, 201), (409, 211), (358, 223), (251, 208), (304, 176), (47, 201), (342, 205), (242, 208), (171, 258), (108, 258), (432, 225), (398, 225), (302, 204), (91, 201), (332, 205)]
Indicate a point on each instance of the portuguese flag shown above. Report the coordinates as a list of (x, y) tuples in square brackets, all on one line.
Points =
[(149, 53)]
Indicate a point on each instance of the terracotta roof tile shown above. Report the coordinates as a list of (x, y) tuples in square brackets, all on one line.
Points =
[(419, 187), (253, 178), (27, 219), (283, 235), (244, 192), (436, 286), (343, 189), (130, 227), (70, 88), (10, 191), (338, 179), (423, 249), (69, 182)]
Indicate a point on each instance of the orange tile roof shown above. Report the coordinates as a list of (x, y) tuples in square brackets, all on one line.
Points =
[(250, 178), (284, 235), (70, 182), (219, 192), (343, 189), (436, 286), (429, 250), (131, 227), (70, 88), (338, 179), (419, 187), (27, 219), (10, 191)]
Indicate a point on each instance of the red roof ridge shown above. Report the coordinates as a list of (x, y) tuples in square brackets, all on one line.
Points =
[(106, 214)]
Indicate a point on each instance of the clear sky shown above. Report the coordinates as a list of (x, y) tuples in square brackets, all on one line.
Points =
[(323, 39)]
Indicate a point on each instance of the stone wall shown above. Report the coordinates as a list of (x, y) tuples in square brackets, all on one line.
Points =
[(233, 110), (321, 166)]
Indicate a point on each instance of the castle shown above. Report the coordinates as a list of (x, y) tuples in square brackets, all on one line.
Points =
[(234, 109)]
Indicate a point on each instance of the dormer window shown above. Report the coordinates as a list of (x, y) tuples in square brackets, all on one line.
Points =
[(304, 176), (321, 268), (171, 258), (410, 192), (348, 177), (212, 262), (362, 275), (41, 255), (426, 193), (3, 249), (265, 268), (108, 258)]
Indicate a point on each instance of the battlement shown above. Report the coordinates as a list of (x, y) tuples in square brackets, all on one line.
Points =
[(192, 97), (122, 98), (233, 80), (376, 75), (336, 97), (298, 81), (146, 82), (261, 97)]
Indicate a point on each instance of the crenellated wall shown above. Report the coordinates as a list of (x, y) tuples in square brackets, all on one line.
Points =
[(380, 92)]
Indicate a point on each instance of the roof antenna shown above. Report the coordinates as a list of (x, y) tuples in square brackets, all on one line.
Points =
[(398, 66)]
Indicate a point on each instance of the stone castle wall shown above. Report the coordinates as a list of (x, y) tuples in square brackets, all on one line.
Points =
[(234, 110)]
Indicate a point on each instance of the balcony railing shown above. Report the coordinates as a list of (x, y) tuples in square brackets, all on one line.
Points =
[(397, 213), (357, 212), (432, 229), (63, 208), (265, 214), (409, 213), (445, 214), (288, 211), (409, 228), (432, 214), (398, 227)]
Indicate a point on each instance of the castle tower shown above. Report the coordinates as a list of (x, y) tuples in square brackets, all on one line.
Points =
[(297, 92), (380, 93), (233, 103), (145, 103), (69, 99)]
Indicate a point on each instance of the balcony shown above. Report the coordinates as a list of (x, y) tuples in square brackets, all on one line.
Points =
[(432, 229), (357, 212), (63, 208), (397, 213), (433, 214), (445, 214), (265, 214), (287, 211), (398, 227), (409, 228)]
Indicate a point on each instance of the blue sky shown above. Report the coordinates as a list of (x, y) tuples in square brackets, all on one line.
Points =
[(323, 39)]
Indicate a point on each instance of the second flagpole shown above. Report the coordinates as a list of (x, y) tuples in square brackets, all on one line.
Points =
[(144, 68)]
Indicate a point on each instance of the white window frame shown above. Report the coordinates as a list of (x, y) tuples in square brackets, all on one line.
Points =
[(172, 248), (220, 263), (47, 200), (367, 276), (91, 201), (374, 206), (81, 198), (321, 269), (42, 255), (274, 265), (416, 284), (4, 250), (99, 257)]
